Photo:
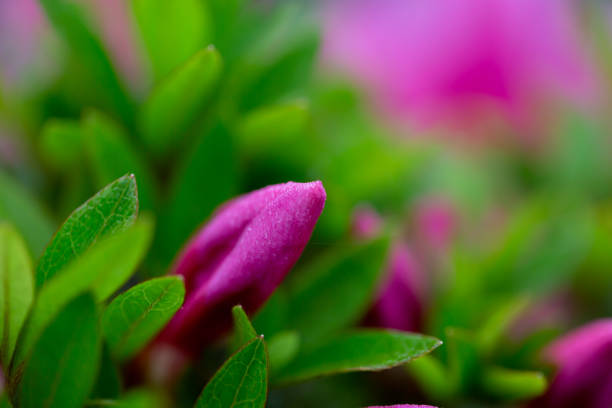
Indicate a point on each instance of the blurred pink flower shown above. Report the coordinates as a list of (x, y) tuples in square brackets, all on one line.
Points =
[(584, 368), (400, 299), (27, 45), (30, 51), (239, 257), (400, 302), (366, 222), (119, 33), (403, 406), (436, 222), (452, 62), (551, 311)]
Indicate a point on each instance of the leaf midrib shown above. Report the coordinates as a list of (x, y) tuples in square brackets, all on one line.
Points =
[(253, 358), (112, 212), (95, 238)]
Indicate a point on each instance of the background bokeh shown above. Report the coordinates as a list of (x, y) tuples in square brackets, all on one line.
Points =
[(474, 132)]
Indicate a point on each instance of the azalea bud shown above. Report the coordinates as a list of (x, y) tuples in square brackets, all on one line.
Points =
[(366, 223), (436, 223), (399, 302), (240, 257), (583, 359)]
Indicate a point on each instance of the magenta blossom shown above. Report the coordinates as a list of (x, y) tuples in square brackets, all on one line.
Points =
[(399, 302), (403, 406), (584, 376), (119, 34), (366, 222), (436, 222), (454, 62), (29, 50), (239, 257)]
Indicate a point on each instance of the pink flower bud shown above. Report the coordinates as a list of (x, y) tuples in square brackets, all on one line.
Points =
[(120, 36), (436, 223), (584, 377), (29, 53), (239, 257), (399, 303), (403, 406), (366, 222)]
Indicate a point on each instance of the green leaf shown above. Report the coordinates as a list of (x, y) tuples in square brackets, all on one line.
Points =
[(273, 127), (112, 209), (334, 292), (390, 168), (497, 323), (207, 177), (520, 226), (171, 31), (555, 253), (542, 248), (129, 247), (61, 143), (25, 213), (4, 401), (111, 156), (135, 398), (463, 359), (464, 180), (432, 377), (243, 329), (16, 289), (225, 16), (62, 367), (594, 281), (70, 19), (508, 384), (283, 74), (272, 317), (142, 398), (365, 350), (134, 317), (282, 348), (108, 382), (103, 269), (179, 100), (277, 140), (577, 161), (241, 382)]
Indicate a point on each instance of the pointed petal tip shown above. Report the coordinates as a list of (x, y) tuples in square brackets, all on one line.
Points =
[(311, 194), (317, 190), (314, 188)]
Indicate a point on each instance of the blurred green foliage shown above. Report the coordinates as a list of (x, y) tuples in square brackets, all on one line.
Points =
[(233, 102)]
